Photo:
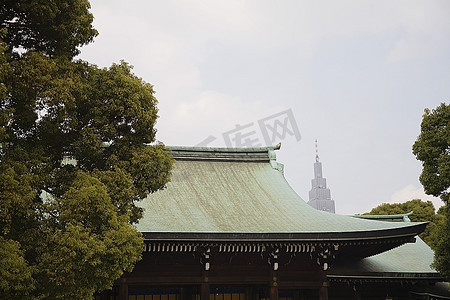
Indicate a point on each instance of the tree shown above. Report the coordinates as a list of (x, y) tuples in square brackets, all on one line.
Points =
[(423, 211), (432, 147), (77, 152), (55, 27), (15, 274), (441, 238)]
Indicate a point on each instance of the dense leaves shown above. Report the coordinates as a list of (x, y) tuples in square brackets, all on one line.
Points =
[(55, 27), (432, 147), (442, 243), (89, 237), (77, 152), (15, 275)]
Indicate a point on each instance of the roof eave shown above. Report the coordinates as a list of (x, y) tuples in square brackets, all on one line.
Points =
[(390, 276), (374, 235)]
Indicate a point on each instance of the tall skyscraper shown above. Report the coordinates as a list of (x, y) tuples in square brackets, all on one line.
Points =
[(320, 195)]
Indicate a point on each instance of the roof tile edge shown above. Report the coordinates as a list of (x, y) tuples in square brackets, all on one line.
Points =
[(225, 149), (254, 154)]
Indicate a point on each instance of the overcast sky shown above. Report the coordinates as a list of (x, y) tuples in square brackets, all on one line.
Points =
[(356, 76)]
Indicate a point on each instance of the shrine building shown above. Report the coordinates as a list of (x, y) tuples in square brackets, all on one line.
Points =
[(229, 227)]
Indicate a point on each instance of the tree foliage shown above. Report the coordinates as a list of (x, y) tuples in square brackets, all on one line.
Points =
[(55, 27), (423, 211), (77, 152), (442, 243), (15, 274), (432, 147)]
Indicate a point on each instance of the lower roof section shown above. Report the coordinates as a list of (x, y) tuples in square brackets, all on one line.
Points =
[(407, 262), (245, 196)]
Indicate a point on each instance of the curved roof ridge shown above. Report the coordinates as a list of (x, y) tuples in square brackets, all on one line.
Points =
[(224, 153), (225, 149)]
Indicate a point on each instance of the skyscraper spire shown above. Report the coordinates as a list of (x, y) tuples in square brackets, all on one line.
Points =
[(317, 152), (320, 195)]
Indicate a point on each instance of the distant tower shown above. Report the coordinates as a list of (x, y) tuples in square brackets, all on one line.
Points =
[(320, 195)]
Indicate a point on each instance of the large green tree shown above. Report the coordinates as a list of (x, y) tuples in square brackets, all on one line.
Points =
[(432, 147), (55, 27), (77, 152), (441, 237)]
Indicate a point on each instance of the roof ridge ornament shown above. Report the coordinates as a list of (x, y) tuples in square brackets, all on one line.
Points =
[(277, 146), (273, 158)]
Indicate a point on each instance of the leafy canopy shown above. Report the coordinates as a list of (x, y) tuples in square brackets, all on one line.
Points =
[(55, 27), (15, 274), (442, 246), (432, 147), (77, 152)]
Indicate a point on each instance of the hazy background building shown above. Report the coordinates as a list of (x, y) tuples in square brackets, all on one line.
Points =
[(320, 195)]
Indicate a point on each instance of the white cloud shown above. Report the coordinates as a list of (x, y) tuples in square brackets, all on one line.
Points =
[(219, 115), (161, 52), (166, 33), (411, 192)]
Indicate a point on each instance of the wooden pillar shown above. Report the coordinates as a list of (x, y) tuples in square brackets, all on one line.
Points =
[(274, 293), (204, 291), (204, 288), (123, 291), (323, 292), (274, 286), (302, 295), (250, 293), (187, 293)]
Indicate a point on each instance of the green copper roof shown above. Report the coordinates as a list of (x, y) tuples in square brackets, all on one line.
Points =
[(222, 190), (411, 257), (407, 261)]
